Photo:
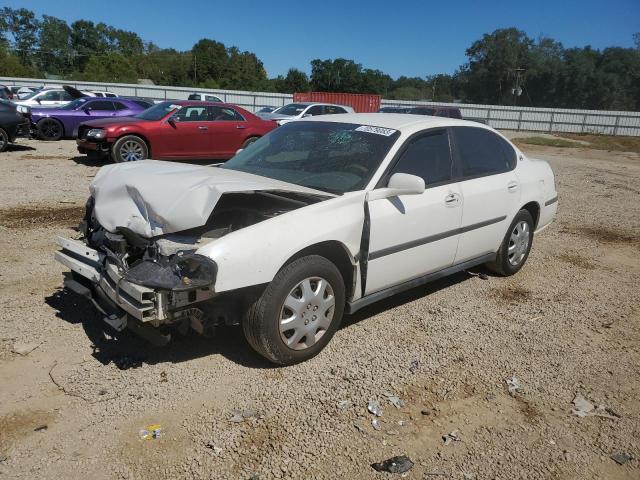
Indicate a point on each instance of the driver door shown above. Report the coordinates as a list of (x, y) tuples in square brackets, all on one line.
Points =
[(413, 235), (185, 134)]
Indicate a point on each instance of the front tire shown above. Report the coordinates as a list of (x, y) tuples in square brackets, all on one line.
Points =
[(516, 245), (50, 129), (129, 148), (298, 313), (4, 140)]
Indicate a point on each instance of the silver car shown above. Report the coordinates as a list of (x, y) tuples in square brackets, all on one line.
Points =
[(296, 111)]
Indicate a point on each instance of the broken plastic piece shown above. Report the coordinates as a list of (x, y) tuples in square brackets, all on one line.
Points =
[(451, 437), (374, 407), (342, 404), (514, 385), (394, 400), (399, 464), (375, 423), (621, 458), (151, 432), (584, 408)]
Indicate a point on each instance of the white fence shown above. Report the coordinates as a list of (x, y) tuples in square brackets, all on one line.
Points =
[(504, 117)]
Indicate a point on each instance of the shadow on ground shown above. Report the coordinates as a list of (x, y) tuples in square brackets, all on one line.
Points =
[(99, 161), (126, 350), (16, 147)]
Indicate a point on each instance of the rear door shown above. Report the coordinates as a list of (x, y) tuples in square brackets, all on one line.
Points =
[(186, 134), (412, 235), (489, 186), (227, 131)]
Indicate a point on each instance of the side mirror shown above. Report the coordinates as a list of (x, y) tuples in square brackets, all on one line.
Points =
[(399, 184), (172, 121), (87, 109), (307, 115), (38, 100)]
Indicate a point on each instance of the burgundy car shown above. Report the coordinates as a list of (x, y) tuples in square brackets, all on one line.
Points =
[(174, 131)]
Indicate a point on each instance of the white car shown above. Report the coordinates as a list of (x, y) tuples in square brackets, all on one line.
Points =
[(102, 93), (296, 111), (204, 97), (318, 218), (52, 96)]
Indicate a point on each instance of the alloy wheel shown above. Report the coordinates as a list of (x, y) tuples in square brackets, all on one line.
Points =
[(131, 151), (518, 243), (306, 313), (50, 129)]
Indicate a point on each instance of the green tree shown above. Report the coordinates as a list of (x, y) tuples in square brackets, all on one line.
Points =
[(295, 81), (493, 64), (23, 27), (55, 55), (244, 71), (210, 60), (110, 67), (87, 40)]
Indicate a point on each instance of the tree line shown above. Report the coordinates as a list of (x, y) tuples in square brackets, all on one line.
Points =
[(505, 67)]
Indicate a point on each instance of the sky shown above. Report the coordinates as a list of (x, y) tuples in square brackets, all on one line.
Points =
[(412, 38)]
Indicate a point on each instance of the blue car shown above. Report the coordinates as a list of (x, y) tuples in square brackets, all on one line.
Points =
[(54, 123)]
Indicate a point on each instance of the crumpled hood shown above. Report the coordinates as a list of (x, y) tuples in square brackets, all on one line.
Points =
[(154, 198)]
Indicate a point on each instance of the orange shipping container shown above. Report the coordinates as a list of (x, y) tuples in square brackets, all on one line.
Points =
[(360, 102)]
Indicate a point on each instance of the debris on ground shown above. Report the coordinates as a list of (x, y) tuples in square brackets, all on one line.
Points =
[(241, 416), (584, 408), (513, 385), (40, 428), (621, 458), (413, 367), (451, 437), (481, 276), (125, 362), (395, 400), (343, 404), (425, 412), (361, 430), (375, 423), (217, 450), (150, 432), (163, 377), (25, 348), (399, 464), (374, 407)]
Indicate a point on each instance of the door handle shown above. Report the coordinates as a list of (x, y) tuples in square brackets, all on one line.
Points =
[(202, 127), (452, 200), (241, 126), (513, 186)]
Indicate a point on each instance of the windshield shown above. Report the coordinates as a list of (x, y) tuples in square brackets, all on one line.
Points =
[(30, 95), (157, 112), (329, 156), (291, 109)]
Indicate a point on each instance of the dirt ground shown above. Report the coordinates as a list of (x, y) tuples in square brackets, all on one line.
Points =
[(73, 401)]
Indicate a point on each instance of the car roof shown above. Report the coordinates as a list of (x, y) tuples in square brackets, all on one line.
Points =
[(397, 121), (195, 103)]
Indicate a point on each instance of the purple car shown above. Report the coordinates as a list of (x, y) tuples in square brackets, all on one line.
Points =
[(54, 123)]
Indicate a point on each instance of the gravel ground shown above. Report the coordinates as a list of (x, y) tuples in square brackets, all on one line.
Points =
[(567, 324)]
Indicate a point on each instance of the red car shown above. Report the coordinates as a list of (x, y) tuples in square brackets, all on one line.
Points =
[(174, 131)]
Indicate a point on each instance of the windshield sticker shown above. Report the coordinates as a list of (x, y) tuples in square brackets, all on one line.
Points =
[(387, 132)]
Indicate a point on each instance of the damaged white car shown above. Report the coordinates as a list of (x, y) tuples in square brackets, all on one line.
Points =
[(315, 219)]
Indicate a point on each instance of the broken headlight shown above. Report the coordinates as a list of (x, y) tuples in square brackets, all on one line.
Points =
[(182, 272), (97, 133)]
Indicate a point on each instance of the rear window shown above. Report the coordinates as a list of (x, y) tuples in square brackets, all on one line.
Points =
[(482, 152), (194, 96)]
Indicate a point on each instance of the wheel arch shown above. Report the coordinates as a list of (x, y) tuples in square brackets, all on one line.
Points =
[(534, 209), (64, 130), (134, 134), (338, 254)]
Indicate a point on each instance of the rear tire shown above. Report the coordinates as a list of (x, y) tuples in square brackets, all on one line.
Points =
[(4, 140), (248, 142), (50, 129), (129, 148), (298, 313), (515, 247)]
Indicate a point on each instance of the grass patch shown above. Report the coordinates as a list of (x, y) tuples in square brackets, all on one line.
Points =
[(547, 142), (607, 142), (595, 142)]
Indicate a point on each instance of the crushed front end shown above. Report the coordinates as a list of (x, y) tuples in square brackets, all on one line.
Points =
[(151, 286)]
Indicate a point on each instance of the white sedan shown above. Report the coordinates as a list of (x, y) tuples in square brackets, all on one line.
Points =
[(316, 219)]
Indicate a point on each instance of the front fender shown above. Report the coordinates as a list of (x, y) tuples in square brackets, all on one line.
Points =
[(255, 254)]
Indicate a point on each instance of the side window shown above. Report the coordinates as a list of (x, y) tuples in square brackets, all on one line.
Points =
[(211, 98), (65, 96), (50, 96), (455, 113), (330, 110), (120, 106), (481, 152), (101, 105), (315, 110), (224, 114), (191, 114), (110, 94), (429, 157)]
